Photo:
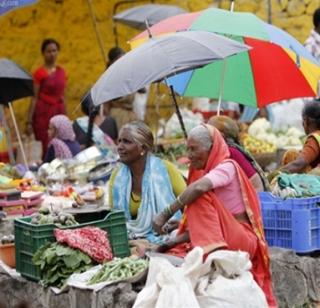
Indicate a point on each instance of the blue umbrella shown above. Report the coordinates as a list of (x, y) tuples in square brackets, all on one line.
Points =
[(9, 5)]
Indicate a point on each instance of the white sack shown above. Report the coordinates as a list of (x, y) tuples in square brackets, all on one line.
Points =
[(223, 280)]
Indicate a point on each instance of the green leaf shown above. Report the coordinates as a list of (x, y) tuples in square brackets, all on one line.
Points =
[(63, 250), (71, 261), (38, 256)]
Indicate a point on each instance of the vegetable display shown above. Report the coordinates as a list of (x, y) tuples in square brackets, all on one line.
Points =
[(257, 146), (58, 262), (261, 129), (119, 269), (45, 217)]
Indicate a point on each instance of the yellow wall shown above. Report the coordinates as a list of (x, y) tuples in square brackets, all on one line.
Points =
[(22, 31)]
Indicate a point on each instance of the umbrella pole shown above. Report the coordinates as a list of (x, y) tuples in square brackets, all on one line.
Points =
[(269, 12), (157, 108), (8, 134), (115, 32), (223, 73), (224, 66), (95, 27), (18, 135), (148, 28), (232, 6), (178, 113)]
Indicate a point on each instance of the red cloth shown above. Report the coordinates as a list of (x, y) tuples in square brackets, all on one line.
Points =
[(210, 223), (50, 101), (90, 240), (236, 155)]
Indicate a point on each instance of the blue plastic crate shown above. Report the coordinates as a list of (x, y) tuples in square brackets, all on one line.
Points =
[(291, 223)]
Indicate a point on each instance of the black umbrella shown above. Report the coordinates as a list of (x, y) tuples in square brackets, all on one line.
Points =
[(15, 83)]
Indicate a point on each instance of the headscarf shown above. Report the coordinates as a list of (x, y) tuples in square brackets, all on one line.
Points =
[(219, 152), (230, 130), (64, 132)]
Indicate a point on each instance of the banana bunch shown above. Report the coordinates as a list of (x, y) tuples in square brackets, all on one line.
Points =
[(256, 146)]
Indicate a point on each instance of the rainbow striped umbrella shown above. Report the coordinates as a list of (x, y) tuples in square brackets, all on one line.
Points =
[(278, 67)]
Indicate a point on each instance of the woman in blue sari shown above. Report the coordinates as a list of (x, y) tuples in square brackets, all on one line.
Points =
[(143, 184)]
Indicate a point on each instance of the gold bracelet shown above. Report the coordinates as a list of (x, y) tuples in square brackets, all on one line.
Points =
[(180, 202)]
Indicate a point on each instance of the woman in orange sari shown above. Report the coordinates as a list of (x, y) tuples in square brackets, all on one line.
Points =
[(222, 209)]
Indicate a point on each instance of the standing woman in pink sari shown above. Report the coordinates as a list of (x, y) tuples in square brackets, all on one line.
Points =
[(49, 86)]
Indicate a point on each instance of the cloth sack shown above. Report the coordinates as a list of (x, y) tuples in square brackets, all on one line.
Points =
[(223, 280)]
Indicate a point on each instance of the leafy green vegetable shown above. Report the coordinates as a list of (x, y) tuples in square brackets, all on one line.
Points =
[(57, 263)]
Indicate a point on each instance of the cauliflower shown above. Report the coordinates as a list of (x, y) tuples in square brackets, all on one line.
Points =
[(294, 132), (258, 126)]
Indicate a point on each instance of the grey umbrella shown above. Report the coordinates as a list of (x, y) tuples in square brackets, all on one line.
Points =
[(15, 83), (137, 16), (159, 58), (140, 16)]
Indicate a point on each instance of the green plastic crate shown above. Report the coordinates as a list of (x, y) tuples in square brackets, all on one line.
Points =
[(29, 238)]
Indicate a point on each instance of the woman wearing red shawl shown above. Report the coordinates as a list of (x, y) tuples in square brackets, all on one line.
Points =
[(222, 208), (49, 86)]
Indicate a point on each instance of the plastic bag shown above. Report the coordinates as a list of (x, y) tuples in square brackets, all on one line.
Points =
[(199, 285), (32, 149)]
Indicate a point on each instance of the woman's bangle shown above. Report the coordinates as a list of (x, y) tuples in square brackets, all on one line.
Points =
[(180, 202)]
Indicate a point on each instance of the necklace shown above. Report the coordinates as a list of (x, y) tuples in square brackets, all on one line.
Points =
[(133, 199)]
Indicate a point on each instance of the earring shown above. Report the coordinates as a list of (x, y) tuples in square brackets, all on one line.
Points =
[(141, 153)]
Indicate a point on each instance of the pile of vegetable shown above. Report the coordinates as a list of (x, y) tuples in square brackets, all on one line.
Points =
[(57, 263), (7, 239), (257, 146), (261, 129), (119, 269), (45, 217)]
